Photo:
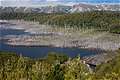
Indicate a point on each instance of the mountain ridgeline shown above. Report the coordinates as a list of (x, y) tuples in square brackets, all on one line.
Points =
[(62, 8), (100, 20)]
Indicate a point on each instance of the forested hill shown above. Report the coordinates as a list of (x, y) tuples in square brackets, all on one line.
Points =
[(55, 67), (102, 20)]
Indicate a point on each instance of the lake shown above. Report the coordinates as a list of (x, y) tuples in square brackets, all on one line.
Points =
[(38, 51)]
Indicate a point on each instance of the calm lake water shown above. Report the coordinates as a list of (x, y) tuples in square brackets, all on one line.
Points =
[(37, 52)]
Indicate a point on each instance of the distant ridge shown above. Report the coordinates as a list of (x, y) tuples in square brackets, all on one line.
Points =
[(62, 8)]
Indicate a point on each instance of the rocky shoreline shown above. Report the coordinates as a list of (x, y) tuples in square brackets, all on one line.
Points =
[(61, 37), (45, 35)]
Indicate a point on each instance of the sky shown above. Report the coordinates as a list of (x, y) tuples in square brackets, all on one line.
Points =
[(97, 1), (40, 2)]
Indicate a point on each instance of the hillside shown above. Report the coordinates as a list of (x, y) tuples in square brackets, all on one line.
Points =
[(61, 8), (55, 67), (101, 20)]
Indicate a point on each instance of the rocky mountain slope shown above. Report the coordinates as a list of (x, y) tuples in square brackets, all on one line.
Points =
[(63, 8)]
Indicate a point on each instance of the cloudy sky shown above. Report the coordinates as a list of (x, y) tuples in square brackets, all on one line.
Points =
[(40, 2)]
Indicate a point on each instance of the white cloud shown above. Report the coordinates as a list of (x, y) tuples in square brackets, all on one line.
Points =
[(52, 0), (15, 2)]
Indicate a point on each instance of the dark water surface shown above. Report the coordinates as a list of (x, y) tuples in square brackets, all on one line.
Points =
[(37, 52)]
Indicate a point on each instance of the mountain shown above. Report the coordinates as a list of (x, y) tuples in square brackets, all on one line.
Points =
[(53, 9), (63, 8), (98, 7), (44, 9), (15, 9)]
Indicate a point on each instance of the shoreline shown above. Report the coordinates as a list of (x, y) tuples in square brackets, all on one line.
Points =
[(65, 38), (61, 37), (93, 59), (52, 46)]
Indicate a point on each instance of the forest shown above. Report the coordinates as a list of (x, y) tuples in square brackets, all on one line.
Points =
[(55, 67), (100, 20)]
